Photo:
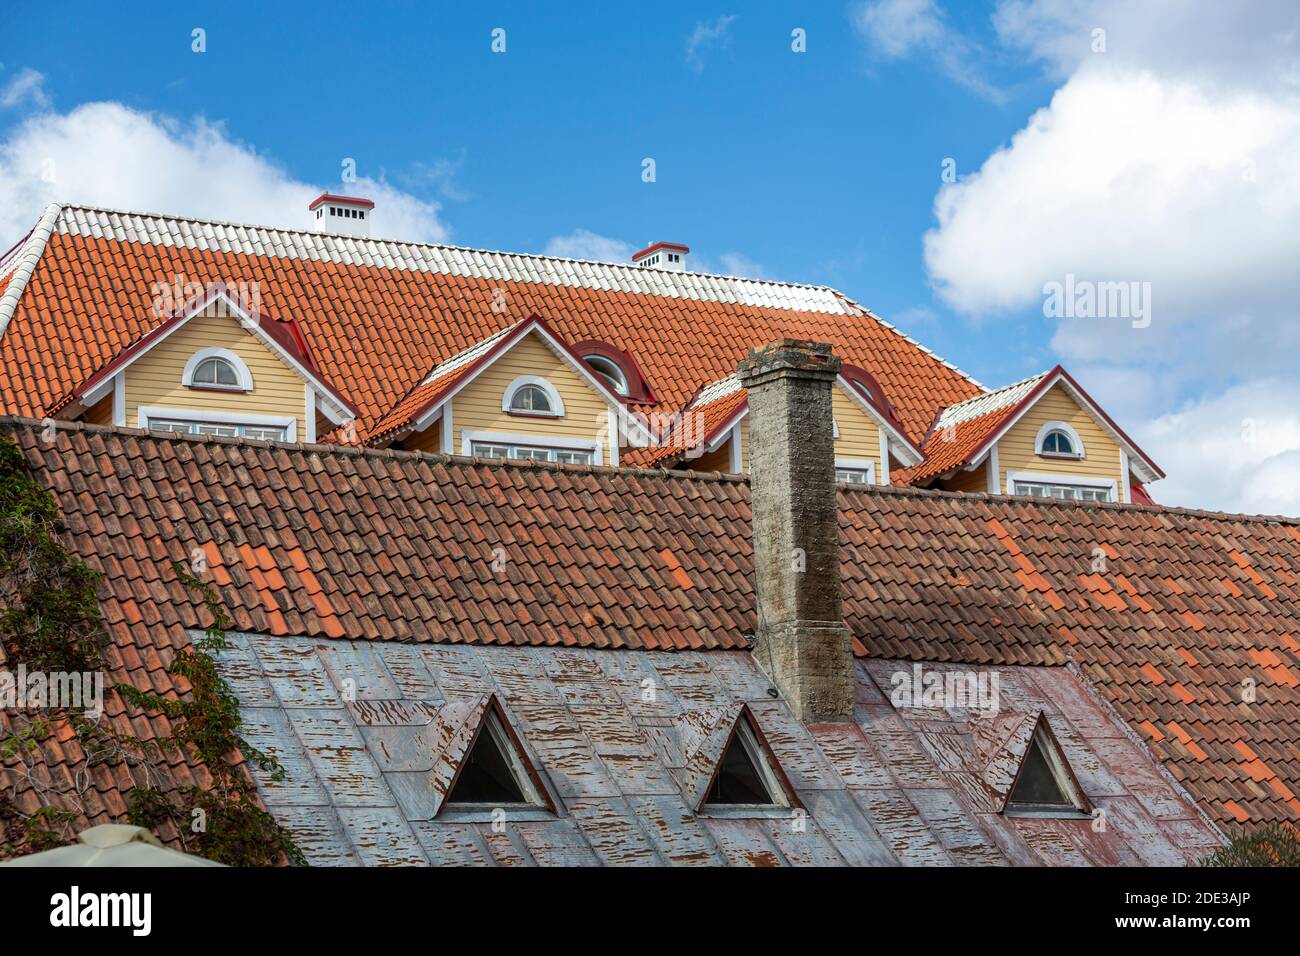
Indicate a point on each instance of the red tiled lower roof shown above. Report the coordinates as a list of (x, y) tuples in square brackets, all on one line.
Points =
[(1167, 611)]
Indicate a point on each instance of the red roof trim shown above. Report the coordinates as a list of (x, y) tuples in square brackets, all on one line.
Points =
[(639, 390), (285, 334), (506, 342), (636, 256), (1057, 374), (334, 197)]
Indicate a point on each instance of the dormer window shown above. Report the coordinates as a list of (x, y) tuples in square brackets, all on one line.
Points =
[(747, 780), (616, 369), (215, 373), (531, 399), (531, 395), (1058, 440), (1058, 443), (219, 369), (609, 371)]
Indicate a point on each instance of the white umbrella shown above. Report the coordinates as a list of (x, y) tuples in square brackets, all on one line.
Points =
[(112, 844)]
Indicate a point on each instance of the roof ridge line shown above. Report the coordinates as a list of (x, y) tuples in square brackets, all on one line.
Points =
[(909, 491), (24, 262), (884, 490), (366, 451), (443, 245), (899, 332)]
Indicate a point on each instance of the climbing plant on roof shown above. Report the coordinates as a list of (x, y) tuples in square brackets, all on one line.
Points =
[(49, 611), (50, 621)]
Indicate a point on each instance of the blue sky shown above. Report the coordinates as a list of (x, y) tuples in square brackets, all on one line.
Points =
[(822, 166), (818, 167)]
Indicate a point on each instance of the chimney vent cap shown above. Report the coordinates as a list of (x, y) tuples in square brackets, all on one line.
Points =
[(800, 356), (341, 200)]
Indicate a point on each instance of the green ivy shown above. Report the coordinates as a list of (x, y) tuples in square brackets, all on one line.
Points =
[(223, 823), (50, 620), (49, 609), (1275, 844)]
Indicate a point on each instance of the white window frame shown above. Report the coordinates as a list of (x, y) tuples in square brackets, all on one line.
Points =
[(552, 394), (1075, 440), (858, 464), (598, 365), (1042, 478), (469, 438), (242, 373), (146, 414)]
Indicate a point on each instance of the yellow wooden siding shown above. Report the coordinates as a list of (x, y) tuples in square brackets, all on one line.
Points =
[(968, 481), (101, 413), (477, 408), (859, 434), (1016, 448), (717, 460), (429, 440), (155, 379)]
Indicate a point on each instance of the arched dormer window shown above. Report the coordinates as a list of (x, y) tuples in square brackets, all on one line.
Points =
[(1058, 440), (616, 369), (217, 368), (532, 395), (608, 370)]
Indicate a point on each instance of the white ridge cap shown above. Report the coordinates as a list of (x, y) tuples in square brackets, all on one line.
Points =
[(23, 261), (255, 240), (990, 402)]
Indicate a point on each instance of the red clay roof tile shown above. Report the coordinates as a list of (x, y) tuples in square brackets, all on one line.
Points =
[(399, 546)]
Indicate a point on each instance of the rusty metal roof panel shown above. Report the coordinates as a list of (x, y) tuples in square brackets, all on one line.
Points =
[(625, 744)]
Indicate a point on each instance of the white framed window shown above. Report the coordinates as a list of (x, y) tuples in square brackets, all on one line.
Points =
[(562, 456), (609, 371), (854, 472), (217, 368), (1062, 487), (561, 451), (186, 421), (1058, 440), (532, 395)]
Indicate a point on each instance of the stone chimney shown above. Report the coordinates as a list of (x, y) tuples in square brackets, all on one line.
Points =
[(801, 641)]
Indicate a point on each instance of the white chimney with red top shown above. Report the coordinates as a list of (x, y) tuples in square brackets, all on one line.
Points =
[(662, 255), (349, 215)]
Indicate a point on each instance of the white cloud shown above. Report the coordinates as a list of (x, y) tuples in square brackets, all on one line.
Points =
[(26, 86), (584, 244), (1237, 451), (901, 28), (107, 154), (1169, 159), (739, 264), (706, 34)]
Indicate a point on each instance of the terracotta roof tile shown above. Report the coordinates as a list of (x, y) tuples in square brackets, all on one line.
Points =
[(400, 546), (410, 307)]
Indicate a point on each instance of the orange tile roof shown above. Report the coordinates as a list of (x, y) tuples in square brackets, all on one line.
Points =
[(379, 315), (395, 546)]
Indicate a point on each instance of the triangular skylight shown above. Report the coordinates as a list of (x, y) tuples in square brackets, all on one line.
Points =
[(1045, 785), (747, 775), (495, 771)]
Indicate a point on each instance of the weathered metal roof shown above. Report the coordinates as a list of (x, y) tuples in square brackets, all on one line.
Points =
[(625, 742)]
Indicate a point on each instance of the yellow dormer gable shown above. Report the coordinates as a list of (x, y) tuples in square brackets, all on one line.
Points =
[(267, 394)]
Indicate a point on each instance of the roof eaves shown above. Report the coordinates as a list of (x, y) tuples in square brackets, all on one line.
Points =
[(23, 263)]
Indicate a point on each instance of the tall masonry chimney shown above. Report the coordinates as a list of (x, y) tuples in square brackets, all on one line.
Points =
[(801, 640), (349, 215)]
